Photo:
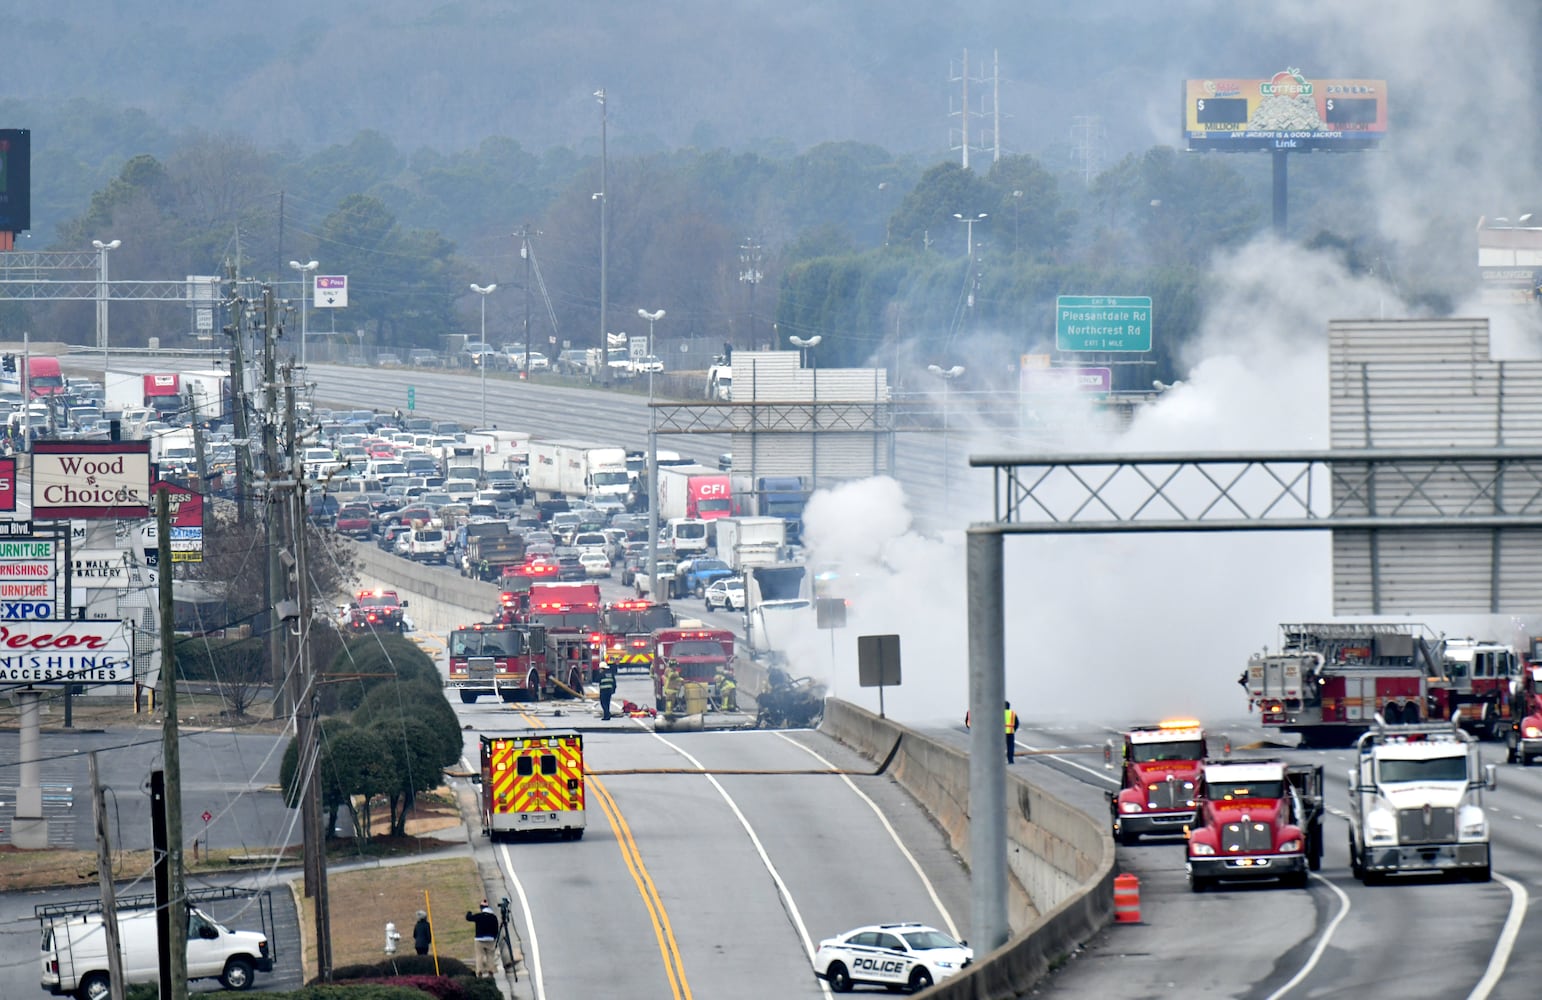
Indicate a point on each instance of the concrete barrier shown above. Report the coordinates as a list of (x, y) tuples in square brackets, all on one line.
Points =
[(1062, 861), (440, 599)]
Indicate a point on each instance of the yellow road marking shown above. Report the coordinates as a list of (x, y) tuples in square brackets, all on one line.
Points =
[(663, 931)]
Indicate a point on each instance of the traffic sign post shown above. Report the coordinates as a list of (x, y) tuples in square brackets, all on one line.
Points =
[(412, 397), (1103, 323)]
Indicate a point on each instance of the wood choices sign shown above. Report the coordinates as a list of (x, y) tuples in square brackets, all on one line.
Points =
[(108, 480)]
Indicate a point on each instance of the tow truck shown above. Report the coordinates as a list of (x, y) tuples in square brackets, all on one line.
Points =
[(1416, 802), (1256, 819), (507, 661), (626, 631), (1160, 780), (376, 610)]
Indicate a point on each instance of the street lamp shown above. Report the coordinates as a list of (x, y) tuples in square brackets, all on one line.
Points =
[(304, 269), (806, 346), (101, 300), (484, 291), (969, 221), (653, 465), (947, 375)]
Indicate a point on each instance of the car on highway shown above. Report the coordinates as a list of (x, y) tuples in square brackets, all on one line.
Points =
[(727, 593), (595, 563), (906, 956)]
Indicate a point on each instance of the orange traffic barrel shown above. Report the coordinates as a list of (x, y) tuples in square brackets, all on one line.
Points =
[(1126, 899)]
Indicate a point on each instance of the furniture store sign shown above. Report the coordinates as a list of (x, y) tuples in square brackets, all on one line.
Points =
[(65, 652), (105, 480)]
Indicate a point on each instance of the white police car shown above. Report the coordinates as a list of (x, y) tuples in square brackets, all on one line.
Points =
[(895, 956)]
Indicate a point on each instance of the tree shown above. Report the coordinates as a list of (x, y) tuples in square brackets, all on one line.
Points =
[(414, 749), (237, 667), (377, 659), (356, 766), (419, 700)]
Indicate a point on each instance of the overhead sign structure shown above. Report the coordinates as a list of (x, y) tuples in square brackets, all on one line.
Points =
[(331, 291), (1065, 380), (1284, 112), (1108, 323), (101, 480), (65, 652)]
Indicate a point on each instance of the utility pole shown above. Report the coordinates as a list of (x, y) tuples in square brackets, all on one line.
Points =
[(272, 510), (602, 343), (104, 875), (238, 399), (525, 255), (170, 881)]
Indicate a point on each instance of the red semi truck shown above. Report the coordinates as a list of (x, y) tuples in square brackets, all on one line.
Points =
[(694, 492), (1160, 780), (1256, 819)]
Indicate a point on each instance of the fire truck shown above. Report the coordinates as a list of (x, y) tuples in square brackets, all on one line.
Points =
[(1477, 681), (570, 615), (1160, 780), (533, 782), (508, 661), (1256, 819), (1523, 733), (1329, 681), (698, 652), (627, 629), (514, 598)]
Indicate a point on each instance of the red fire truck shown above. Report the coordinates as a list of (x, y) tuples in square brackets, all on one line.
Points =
[(1477, 681), (1329, 681), (514, 599), (570, 614), (699, 653), (627, 629), (508, 661), (1160, 780), (1523, 733)]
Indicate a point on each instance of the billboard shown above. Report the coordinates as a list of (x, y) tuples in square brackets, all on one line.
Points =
[(8, 485), (98, 480), (15, 180), (1284, 112), (65, 652)]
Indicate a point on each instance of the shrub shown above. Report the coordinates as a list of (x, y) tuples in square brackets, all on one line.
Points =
[(404, 965)]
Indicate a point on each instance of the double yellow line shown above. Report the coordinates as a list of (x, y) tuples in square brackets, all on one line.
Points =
[(669, 949)]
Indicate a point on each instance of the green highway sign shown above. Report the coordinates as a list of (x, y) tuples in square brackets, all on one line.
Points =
[(412, 397), (1103, 323)]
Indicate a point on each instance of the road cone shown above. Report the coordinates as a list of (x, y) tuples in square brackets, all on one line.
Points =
[(1126, 899)]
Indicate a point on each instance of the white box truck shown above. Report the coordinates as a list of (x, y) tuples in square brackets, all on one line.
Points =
[(74, 949), (577, 471), (743, 542)]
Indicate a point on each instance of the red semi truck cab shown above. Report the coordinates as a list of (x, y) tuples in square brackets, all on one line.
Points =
[(163, 393), (1257, 819), (1157, 792)]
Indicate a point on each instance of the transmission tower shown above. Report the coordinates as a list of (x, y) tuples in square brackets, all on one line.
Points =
[(960, 138), (1087, 135)]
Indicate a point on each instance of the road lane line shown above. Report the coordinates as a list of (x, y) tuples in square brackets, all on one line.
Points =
[(1519, 900), (1322, 942), (893, 835), (533, 963), (669, 949), (788, 904), (663, 931)]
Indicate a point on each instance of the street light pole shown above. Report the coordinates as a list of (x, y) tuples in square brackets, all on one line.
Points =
[(604, 197), (102, 291), (947, 375), (969, 221), (304, 269), (483, 291), (653, 466), (807, 348)]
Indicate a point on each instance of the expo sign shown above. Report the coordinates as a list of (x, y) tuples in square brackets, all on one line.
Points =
[(63, 652), (91, 480)]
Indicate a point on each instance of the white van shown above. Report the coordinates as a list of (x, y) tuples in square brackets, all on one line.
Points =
[(74, 953)]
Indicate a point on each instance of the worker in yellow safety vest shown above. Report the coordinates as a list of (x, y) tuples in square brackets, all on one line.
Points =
[(1010, 721), (728, 691)]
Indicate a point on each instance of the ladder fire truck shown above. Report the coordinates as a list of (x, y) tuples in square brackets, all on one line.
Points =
[(1329, 681), (507, 661), (533, 782)]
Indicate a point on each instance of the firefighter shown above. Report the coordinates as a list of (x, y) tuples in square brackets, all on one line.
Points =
[(607, 688), (728, 691), (674, 687), (715, 702)]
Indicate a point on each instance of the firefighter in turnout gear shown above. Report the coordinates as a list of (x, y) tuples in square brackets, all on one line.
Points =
[(607, 689), (674, 689), (728, 691)]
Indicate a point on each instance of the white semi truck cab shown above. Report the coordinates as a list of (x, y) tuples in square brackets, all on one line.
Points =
[(1416, 802)]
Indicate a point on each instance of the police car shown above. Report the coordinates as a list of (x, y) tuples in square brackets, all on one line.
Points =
[(895, 956)]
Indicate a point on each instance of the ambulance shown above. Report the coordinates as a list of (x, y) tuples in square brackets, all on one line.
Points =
[(533, 781)]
